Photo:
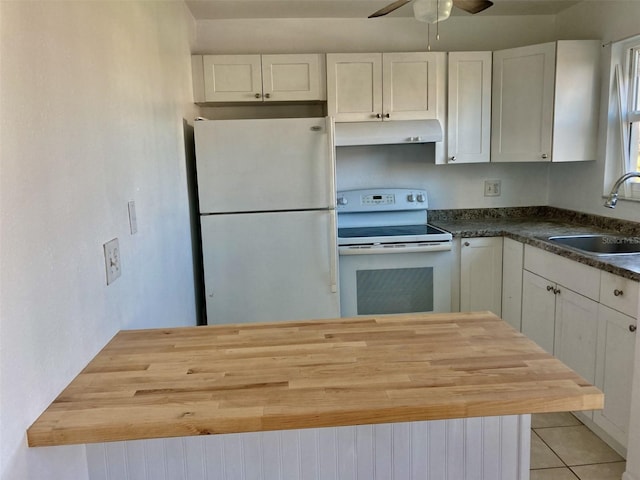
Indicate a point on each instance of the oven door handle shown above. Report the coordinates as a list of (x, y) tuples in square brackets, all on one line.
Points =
[(397, 248)]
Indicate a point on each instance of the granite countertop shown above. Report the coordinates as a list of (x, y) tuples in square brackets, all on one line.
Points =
[(533, 225)]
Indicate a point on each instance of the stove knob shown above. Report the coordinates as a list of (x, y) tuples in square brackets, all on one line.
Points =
[(421, 198), (411, 198), (342, 201)]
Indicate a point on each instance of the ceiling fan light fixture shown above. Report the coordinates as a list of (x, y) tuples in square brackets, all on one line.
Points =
[(432, 11)]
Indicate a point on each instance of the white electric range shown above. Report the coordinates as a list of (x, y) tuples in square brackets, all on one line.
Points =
[(390, 259)]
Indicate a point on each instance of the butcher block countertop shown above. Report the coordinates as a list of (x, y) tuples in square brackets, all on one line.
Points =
[(318, 373)]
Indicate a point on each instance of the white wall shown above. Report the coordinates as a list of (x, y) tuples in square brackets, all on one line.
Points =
[(92, 101)]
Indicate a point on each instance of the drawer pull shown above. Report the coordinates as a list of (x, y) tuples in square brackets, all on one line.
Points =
[(466, 244), (556, 291), (632, 328), (550, 288), (618, 293)]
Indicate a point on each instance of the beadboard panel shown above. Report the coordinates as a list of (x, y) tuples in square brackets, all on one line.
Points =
[(486, 448)]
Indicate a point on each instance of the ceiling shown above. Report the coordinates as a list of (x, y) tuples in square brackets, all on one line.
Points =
[(235, 9)]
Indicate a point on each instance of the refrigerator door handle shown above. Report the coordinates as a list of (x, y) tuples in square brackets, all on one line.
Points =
[(333, 255), (332, 162)]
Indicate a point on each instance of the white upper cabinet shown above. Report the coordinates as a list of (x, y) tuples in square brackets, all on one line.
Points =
[(545, 102), (259, 78), (385, 86), (469, 107)]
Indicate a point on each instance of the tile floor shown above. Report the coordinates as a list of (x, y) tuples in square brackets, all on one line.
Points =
[(564, 449)]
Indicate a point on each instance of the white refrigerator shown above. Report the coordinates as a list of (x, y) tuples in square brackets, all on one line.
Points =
[(266, 191)]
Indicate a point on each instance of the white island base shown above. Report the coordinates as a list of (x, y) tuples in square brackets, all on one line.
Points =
[(484, 448)]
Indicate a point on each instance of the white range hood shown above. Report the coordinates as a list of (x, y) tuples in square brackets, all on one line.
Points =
[(387, 133)]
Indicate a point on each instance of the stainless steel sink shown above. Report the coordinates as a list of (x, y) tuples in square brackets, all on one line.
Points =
[(600, 244)]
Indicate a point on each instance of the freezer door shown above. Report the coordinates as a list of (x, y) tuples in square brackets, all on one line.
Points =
[(265, 164), (270, 266)]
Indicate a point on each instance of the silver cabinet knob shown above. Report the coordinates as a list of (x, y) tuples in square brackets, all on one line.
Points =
[(386, 115), (342, 201), (421, 198), (257, 95), (411, 197), (466, 244), (452, 159), (378, 115), (267, 95), (545, 156), (618, 293), (632, 328)]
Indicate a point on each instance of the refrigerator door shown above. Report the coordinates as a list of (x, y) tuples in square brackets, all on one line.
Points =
[(265, 164), (270, 266)]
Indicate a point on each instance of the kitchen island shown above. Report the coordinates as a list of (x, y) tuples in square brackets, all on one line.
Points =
[(444, 393)]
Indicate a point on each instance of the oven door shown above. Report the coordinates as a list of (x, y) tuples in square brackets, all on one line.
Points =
[(387, 283)]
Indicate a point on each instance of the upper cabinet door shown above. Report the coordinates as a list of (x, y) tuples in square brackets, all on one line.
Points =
[(523, 97), (410, 85), (293, 77), (232, 78), (354, 86), (469, 112)]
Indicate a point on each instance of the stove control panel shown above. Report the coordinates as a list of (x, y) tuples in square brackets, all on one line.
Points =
[(380, 200)]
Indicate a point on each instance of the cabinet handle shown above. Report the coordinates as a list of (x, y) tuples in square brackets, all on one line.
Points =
[(618, 293), (556, 291), (386, 115), (378, 115), (257, 95), (550, 288), (544, 155), (466, 244), (267, 95), (632, 328), (452, 159)]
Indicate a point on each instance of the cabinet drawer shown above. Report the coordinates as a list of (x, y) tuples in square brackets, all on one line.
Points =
[(580, 278), (619, 293)]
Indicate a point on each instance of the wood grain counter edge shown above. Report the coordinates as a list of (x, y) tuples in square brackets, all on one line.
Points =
[(211, 380)]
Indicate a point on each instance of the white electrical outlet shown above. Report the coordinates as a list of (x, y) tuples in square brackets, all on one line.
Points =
[(492, 188), (112, 260)]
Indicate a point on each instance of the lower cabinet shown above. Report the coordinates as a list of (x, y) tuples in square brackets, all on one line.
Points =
[(512, 258), (481, 274), (586, 318), (538, 310), (614, 372)]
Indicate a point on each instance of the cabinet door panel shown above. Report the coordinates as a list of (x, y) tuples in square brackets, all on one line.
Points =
[(409, 85), (512, 258), (576, 332), (354, 86), (469, 112), (232, 78), (538, 310), (522, 114), (481, 275), (292, 77), (614, 372)]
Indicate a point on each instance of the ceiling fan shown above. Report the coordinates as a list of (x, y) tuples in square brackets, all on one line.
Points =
[(433, 11)]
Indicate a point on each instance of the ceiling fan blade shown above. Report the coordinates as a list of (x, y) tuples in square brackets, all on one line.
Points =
[(472, 6), (389, 8)]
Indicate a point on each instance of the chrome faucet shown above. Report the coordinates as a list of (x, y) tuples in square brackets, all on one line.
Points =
[(612, 199)]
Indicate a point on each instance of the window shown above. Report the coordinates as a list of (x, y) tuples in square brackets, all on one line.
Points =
[(634, 110), (623, 132)]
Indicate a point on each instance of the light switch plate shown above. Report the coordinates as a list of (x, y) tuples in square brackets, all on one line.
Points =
[(112, 260)]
